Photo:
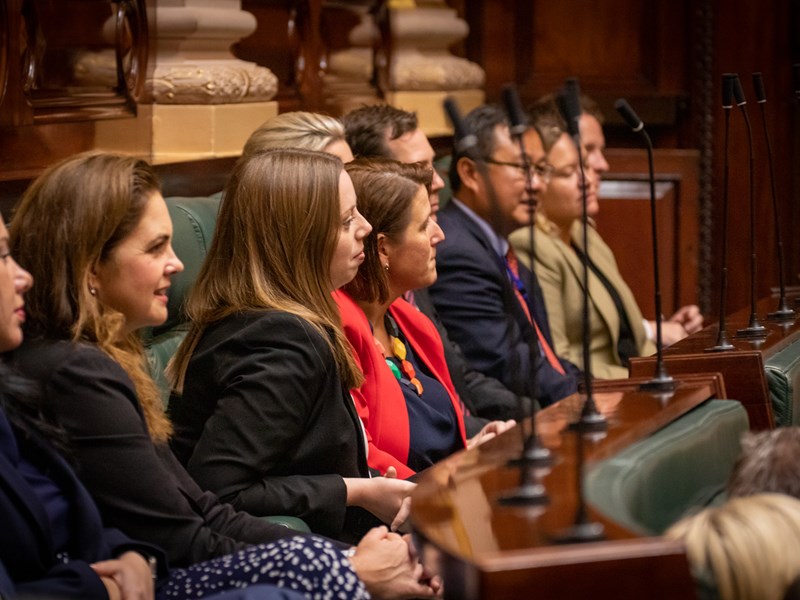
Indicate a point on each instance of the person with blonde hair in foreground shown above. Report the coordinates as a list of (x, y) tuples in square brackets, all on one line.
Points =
[(746, 549)]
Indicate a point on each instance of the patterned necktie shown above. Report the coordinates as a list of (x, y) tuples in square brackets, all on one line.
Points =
[(519, 290)]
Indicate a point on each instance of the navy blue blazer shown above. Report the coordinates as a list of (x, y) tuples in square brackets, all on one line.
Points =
[(26, 540), (477, 303)]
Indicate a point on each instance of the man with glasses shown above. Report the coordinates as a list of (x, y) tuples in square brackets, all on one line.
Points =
[(388, 132), (491, 305)]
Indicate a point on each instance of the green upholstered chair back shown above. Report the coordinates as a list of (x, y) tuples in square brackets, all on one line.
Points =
[(193, 222), (686, 465), (783, 381)]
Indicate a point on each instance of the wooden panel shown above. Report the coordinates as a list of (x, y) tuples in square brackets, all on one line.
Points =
[(487, 550), (742, 368), (625, 225), (625, 208)]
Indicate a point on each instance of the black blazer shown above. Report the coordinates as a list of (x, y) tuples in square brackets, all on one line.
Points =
[(266, 423), (477, 303), (26, 538), (485, 397), (139, 487)]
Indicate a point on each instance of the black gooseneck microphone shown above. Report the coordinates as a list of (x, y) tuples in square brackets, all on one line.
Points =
[(530, 492), (534, 453), (661, 382), (591, 421), (569, 105), (723, 344), (783, 312), (754, 328)]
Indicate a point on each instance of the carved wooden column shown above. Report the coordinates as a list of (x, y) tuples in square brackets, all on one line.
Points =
[(199, 100)]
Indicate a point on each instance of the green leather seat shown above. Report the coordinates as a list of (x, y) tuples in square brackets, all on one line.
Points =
[(651, 484), (783, 382)]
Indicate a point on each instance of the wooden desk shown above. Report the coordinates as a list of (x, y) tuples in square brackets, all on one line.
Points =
[(485, 550), (742, 368)]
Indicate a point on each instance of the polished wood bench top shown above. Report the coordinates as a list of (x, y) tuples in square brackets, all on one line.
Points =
[(484, 546)]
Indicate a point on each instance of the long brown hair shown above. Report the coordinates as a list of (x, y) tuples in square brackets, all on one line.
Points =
[(275, 238), (70, 219), (386, 190)]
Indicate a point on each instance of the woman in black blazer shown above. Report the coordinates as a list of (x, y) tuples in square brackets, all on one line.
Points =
[(96, 234), (263, 415)]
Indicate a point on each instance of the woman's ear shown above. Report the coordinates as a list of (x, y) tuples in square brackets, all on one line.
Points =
[(384, 249)]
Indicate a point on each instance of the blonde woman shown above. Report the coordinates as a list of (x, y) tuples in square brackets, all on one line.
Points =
[(746, 549), (310, 131)]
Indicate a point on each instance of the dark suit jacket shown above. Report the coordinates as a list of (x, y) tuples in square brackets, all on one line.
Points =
[(477, 303), (266, 423), (26, 539), (140, 488), (486, 398)]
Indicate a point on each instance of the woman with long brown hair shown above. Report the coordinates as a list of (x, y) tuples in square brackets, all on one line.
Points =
[(97, 236), (263, 415)]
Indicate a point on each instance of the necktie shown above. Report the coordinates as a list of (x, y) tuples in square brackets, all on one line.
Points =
[(519, 291)]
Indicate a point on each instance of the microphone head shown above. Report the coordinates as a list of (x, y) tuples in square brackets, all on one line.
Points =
[(758, 86), (569, 105), (464, 142), (727, 89), (573, 86), (738, 92), (627, 113), (518, 122)]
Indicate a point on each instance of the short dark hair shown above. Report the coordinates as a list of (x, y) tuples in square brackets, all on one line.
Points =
[(366, 127), (768, 463), (385, 190), (481, 122)]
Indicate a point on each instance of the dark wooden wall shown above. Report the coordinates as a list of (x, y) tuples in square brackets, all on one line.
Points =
[(666, 58)]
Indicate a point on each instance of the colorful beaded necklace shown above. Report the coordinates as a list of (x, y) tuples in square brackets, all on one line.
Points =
[(405, 373)]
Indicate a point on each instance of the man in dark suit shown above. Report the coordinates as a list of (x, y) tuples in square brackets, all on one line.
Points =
[(490, 304), (388, 132)]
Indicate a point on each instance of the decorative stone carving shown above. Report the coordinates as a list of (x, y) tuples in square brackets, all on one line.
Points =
[(193, 62), (196, 83), (421, 34), (420, 57)]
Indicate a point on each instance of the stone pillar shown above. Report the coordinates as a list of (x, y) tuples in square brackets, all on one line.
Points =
[(199, 100), (419, 71), (422, 71)]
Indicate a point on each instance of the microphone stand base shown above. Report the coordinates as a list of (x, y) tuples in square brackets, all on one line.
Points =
[(784, 313), (536, 457), (658, 384), (753, 331), (527, 494), (581, 533), (592, 422), (723, 345)]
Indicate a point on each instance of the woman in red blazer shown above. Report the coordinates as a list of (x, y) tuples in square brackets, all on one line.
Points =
[(410, 410)]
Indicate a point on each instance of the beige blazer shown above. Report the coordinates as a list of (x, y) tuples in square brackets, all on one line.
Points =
[(560, 275)]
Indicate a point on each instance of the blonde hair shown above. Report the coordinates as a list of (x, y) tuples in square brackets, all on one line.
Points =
[(272, 250), (70, 219), (306, 130), (749, 546)]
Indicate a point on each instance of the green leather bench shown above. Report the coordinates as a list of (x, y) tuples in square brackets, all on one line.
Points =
[(651, 484), (783, 382), (193, 222)]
